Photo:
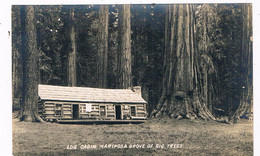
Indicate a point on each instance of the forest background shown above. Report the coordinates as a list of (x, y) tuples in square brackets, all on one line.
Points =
[(6, 80), (191, 60)]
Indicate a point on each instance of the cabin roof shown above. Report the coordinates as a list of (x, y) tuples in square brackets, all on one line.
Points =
[(87, 94)]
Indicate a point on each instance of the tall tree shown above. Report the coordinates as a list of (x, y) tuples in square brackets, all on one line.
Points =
[(72, 51), (246, 98), (227, 57), (180, 96), (113, 47), (206, 33), (124, 48), (102, 49), (16, 55), (30, 57)]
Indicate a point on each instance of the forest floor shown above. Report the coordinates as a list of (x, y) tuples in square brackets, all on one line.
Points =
[(179, 137)]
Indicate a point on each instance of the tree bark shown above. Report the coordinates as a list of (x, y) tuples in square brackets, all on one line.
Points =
[(207, 79), (29, 105), (16, 56), (207, 69), (72, 51), (180, 95), (124, 50), (246, 100), (102, 49)]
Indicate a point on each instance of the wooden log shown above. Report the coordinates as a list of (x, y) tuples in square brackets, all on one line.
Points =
[(49, 105), (49, 112), (94, 115), (49, 115), (111, 116), (48, 108), (67, 116), (66, 113), (66, 106)]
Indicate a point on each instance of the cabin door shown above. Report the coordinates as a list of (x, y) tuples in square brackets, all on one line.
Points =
[(118, 112), (75, 110)]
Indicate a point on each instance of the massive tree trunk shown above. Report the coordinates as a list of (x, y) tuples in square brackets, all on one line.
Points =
[(72, 51), (102, 49), (124, 48), (208, 72), (246, 98), (29, 105), (16, 57), (180, 95), (207, 79)]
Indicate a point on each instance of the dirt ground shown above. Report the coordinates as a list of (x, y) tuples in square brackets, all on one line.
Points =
[(155, 137)]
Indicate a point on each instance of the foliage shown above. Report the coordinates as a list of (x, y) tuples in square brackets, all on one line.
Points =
[(148, 50), (219, 28), (229, 44)]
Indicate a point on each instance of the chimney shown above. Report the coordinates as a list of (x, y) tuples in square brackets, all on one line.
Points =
[(137, 89)]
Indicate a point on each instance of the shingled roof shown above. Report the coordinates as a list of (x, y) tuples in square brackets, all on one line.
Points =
[(86, 94)]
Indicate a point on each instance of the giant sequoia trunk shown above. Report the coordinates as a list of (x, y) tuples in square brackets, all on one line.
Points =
[(29, 103), (207, 76), (180, 96), (208, 73), (16, 56), (124, 48), (71, 50), (246, 98), (102, 49)]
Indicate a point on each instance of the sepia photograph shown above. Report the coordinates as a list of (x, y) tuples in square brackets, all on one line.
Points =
[(132, 79)]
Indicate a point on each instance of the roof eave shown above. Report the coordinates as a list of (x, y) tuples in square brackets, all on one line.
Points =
[(94, 101)]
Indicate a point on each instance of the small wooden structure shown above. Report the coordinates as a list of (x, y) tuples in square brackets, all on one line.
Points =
[(83, 104)]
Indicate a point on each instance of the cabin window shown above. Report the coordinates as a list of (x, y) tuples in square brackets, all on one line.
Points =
[(133, 110), (83, 109), (58, 110), (102, 110)]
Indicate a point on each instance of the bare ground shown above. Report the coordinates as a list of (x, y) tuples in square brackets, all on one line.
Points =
[(196, 137)]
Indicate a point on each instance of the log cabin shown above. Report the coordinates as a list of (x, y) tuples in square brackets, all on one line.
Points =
[(63, 103)]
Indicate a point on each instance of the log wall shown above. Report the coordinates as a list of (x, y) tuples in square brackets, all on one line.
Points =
[(47, 110)]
